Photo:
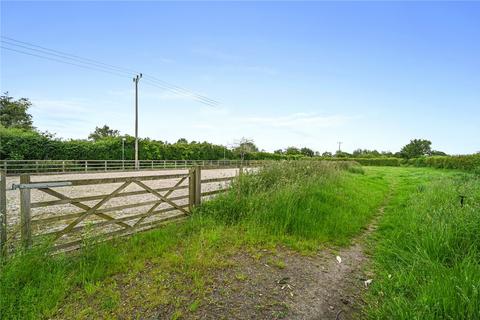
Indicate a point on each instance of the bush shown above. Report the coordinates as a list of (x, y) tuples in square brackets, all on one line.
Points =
[(390, 162), (469, 163)]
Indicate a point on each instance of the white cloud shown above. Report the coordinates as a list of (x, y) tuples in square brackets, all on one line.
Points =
[(58, 106), (299, 121), (216, 54), (202, 126)]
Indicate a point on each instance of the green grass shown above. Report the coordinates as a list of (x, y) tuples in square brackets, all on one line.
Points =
[(428, 245), (427, 252), (301, 205)]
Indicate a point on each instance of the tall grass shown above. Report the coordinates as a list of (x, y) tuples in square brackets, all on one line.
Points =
[(301, 203), (428, 257)]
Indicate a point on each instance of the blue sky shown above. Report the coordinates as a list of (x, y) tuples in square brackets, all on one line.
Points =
[(369, 74)]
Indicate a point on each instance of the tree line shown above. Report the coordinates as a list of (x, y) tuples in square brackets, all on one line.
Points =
[(20, 140)]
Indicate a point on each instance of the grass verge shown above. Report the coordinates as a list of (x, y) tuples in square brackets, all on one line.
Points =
[(427, 254), (167, 272)]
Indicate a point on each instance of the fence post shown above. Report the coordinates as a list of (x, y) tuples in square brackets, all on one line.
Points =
[(25, 217), (198, 185), (86, 165), (191, 188), (106, 166), (63, 166), (3, 215)]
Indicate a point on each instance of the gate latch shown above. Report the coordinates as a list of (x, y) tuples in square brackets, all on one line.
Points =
[(40, 185)]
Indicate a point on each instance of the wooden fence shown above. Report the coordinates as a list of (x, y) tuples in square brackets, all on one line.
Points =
[(17, 167), (71, 219)]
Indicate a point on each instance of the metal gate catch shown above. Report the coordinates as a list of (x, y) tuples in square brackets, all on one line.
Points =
[(42, 185)]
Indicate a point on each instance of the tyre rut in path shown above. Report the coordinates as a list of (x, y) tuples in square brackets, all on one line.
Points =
[(286, 285)]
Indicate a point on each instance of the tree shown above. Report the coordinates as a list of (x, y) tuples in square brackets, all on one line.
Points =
[(14, 113), (103, 132), (342, 154), (327, 154), (278, 151), (438, 153), (292, 151), (182, 141), (365, 153), (307, 152), (416, 148), (245, 147)]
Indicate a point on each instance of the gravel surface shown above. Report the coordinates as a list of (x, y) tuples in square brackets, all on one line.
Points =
[(13, 199)]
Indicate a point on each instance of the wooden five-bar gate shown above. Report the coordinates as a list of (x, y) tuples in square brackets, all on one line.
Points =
[(136, 203)]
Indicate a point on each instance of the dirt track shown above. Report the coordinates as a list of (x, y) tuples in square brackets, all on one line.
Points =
[(286, 285)]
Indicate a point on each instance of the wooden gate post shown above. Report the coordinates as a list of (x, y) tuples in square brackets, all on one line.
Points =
[(191, 188), (198, 185), (25, 216), (3, 215), (195, 187)]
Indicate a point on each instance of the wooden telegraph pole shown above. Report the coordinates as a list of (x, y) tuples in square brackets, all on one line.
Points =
[(136, 79)]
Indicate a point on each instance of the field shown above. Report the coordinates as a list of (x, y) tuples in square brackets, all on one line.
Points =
[(297, 240)]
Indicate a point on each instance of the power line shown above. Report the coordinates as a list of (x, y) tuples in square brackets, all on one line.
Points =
[(179, 89), (165, 85), (66, 56), (61, 61), (100, 64), (199, 99), (96, 65), (154, 84)]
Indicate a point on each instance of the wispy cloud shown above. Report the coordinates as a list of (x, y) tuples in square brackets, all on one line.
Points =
[(250, 69), (166, 60), (230, 62), (121, 93), (299, 120), (216, 54), (202, 126), (155, 93), (58, 106)]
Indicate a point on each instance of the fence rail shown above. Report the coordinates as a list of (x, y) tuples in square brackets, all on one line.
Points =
[(113, 206), (17, 167)]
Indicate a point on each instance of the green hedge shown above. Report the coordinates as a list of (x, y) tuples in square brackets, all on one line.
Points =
[(469, 163), (390, 162), (461, 162), (18, 144)]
